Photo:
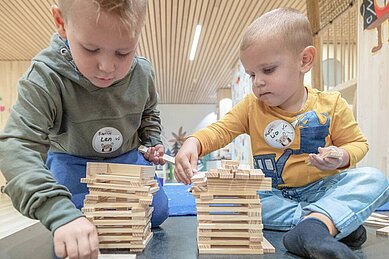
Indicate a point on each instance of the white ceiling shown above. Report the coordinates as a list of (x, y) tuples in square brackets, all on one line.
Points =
[(26, 27)]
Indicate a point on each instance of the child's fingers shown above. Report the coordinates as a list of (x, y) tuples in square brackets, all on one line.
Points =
[(177, 173), (326, 163), (161, 161), (72, 249), (84, 247), (60, 249), (193, 166), (184, 175), (179, 177), (180, 174), (189, 174), (151, 151), (316, 160), (94, 245)]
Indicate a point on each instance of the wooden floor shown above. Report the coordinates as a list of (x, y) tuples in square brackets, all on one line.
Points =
[(11, 221)]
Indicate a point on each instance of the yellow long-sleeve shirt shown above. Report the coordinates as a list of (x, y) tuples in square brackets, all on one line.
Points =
[(281, 141)]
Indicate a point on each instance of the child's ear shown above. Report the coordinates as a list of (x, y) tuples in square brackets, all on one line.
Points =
[(59, 21), (307, 58)]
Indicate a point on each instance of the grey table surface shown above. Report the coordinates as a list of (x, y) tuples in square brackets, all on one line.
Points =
[(176, 238)]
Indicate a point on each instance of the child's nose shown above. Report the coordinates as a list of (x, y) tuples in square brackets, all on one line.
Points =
[(107, 65), (258, 81)]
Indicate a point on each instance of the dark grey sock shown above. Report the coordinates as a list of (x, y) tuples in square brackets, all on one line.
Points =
[(311, 239), (356, 238)]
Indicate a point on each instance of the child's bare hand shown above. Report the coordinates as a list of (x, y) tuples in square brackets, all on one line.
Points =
[(329, 158), (155, 154), (186, 160), (76, 239)]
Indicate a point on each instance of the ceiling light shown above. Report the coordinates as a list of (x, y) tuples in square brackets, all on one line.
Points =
[(196, 39)]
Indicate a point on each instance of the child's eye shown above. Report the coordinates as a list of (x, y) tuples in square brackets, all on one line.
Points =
[(91, 50), (122, 55), (269, 70)]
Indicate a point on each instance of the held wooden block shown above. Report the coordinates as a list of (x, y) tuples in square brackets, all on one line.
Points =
[(331, 153), (165, 157)]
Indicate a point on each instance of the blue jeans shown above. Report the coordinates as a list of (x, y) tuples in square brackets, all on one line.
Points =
[(348, 198), (69, 169)]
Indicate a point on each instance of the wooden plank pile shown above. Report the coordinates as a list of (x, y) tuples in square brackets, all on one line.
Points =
[(379, 220), (229, 210), (118, 204)]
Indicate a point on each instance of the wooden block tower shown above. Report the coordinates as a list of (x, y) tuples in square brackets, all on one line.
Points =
[(229, 210), (118, 204)]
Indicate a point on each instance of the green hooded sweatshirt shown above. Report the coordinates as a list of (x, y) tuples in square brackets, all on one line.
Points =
[(60, 110)]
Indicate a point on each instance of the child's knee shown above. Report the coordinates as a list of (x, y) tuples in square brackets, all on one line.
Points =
[(370, 176), (378, 177)]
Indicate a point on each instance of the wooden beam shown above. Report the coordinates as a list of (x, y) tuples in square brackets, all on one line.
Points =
[(313, 14)]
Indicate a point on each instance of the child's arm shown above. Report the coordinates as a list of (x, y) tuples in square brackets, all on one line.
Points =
[(24, 143), (186, 160), (76, 239), (149, 130), (346, 133), (211, 138), (347, 144)]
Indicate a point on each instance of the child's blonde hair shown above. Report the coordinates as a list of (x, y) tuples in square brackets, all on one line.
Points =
[(287, 24), (130, 12)]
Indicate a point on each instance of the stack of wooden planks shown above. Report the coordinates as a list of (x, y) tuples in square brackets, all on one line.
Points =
[(118, 204), (379, 220), (229, 210)]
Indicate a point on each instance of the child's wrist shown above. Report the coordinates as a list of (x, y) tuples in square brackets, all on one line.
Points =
[(196, 143)]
